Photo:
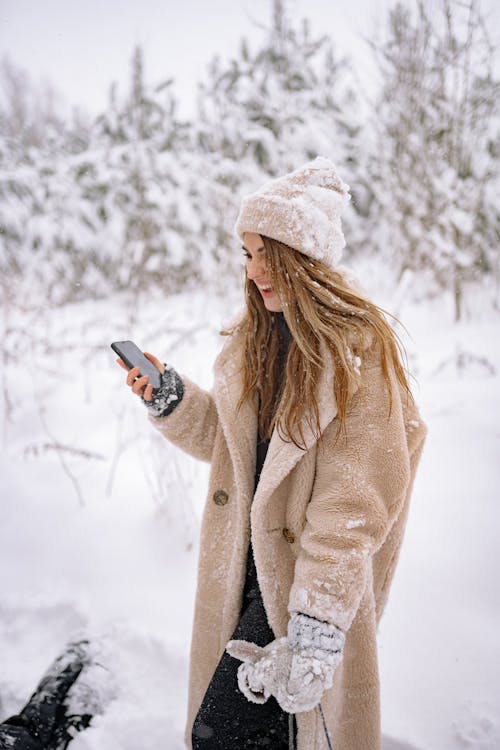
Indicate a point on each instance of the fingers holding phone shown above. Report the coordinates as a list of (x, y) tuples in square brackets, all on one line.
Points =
[(139, 383), (136, 363)]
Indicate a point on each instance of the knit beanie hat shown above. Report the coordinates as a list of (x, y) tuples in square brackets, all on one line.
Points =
[(301, 209)]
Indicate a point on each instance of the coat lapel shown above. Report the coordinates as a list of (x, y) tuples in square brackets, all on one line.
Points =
[(239, 426), (283, 455)]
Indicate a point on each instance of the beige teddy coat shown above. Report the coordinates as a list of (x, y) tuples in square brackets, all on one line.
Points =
[(326, 526)]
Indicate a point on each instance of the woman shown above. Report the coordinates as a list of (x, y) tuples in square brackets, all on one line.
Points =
[(313, 439)]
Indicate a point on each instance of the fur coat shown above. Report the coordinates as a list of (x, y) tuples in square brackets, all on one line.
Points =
[(326, 525)]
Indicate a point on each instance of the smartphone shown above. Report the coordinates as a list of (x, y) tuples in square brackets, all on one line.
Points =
[(133, 357)]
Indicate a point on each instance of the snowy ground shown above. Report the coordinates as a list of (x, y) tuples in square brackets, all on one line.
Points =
[(99, 518)]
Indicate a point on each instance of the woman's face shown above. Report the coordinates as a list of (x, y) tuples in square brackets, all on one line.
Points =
[(255, 253)]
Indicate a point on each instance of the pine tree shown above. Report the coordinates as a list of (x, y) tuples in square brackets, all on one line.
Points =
[(80, 223), (291, 99), (266, 112), (436, 163), (146, 113)]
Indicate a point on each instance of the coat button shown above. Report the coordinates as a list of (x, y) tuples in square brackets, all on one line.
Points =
[(289, 535), (220, 497)]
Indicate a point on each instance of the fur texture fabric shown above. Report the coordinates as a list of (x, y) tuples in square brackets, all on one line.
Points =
[(326, 524), (302, 209)]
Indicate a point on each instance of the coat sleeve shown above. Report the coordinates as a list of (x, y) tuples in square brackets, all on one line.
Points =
[(192, 425), (359, 489)]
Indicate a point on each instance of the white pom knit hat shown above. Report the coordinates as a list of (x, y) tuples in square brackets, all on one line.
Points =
[(301, 209)]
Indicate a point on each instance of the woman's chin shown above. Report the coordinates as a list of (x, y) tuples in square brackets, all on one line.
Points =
[(273, 304)]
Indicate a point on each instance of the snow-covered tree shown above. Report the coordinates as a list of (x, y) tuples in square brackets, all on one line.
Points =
[(281, 101), (145, 113), (289, 99), (78, 223), (137, 188), (30, 116), (435, 168), (33, 119)]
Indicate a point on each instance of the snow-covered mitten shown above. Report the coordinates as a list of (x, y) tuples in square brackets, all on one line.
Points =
[(169, 394), (296, 670)]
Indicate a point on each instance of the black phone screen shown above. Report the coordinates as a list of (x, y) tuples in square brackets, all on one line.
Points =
[(133, 357)]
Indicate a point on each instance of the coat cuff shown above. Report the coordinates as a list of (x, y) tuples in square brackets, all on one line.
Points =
[(169, 394)]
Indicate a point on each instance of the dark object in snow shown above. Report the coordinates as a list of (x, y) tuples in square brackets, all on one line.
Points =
[(46, 721)]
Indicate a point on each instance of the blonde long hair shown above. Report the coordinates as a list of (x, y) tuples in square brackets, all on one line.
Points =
[(320, 310)]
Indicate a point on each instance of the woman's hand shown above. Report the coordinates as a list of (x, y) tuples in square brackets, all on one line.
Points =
[(140, 385), (296, 669)]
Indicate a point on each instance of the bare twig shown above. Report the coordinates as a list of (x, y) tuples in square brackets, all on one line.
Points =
[(7, 401), (36, 449), (62, 459), (120, 446)]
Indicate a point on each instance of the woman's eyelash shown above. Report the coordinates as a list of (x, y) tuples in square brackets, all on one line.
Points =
[(248, 255)]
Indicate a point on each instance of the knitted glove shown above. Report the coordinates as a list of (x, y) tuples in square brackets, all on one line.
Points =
[(296, 670), (169, 394)]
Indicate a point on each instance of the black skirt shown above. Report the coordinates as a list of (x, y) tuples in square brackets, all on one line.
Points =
[(226, 719)]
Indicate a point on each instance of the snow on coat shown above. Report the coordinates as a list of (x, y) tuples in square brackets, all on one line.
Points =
[(326, 526)]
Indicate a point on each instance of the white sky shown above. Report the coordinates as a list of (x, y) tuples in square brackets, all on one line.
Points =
[(83, 45)]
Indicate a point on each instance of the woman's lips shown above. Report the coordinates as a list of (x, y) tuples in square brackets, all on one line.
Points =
[(266, 290)]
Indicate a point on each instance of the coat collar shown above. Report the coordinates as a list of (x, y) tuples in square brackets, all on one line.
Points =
[(282, 454), (240, 427)]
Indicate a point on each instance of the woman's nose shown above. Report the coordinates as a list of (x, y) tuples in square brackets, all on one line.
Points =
[(256, 267)]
